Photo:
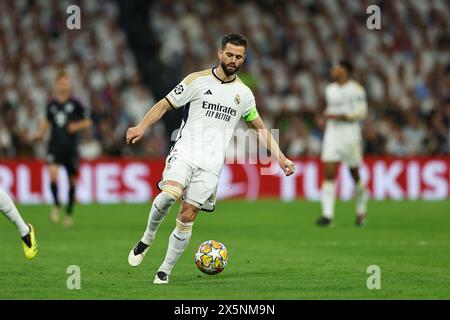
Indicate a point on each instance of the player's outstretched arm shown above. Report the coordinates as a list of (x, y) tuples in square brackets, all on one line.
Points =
[(271, 145), (360, 113), (76, 126), (134, 134)]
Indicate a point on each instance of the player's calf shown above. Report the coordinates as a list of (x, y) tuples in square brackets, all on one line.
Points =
[(68, 220), (327, 203), (54, 212), (160, 207), (178, 240), (361, 199)]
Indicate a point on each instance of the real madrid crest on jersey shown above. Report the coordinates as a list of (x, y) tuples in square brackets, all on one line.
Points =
[(237, 99)]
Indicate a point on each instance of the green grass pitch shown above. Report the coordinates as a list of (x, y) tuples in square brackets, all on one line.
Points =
[(276, 252)]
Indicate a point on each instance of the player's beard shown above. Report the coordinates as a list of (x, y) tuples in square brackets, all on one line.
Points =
[(226, 71)]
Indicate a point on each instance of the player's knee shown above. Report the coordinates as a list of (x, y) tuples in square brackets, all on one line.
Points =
[(167, 197), (172, 191), (53, 174), (72, 182), (330, 173), (329, 176)]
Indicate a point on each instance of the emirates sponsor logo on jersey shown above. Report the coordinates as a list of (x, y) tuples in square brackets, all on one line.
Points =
[(220, 108), (218, 111)]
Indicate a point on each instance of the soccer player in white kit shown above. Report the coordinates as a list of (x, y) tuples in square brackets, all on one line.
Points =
[(25, 230), (213, 102), (346, 107)]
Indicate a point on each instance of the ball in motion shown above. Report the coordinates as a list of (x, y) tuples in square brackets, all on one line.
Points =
[(211, 257)]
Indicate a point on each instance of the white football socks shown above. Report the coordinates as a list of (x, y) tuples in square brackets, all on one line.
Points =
[(11, 212), (178, 241), (360, 198), (160, 207), (328, 198)]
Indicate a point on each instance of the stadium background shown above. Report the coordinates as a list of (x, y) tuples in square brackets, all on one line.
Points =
[(129, 54), (151, 45)]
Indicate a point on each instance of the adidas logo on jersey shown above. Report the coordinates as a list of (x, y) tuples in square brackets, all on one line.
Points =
[(208, 92)]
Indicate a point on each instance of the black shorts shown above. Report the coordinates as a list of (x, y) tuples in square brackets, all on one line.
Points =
[(69, 161)]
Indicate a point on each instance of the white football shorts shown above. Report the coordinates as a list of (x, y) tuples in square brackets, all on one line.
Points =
[(342, 143), (199, 185)]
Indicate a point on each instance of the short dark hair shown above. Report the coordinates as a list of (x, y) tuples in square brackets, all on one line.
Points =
[(346, 64), (234, 38)]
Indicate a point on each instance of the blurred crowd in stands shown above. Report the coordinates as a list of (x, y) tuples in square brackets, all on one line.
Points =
[(405, 68)]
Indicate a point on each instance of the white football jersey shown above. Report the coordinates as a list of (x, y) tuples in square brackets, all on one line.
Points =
[(348, 99), (212, 109), (343, 140)]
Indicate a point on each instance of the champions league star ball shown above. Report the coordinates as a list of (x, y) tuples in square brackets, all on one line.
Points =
[(211, 257)]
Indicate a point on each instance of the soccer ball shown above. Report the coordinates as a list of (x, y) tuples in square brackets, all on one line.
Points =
[(211, 257)]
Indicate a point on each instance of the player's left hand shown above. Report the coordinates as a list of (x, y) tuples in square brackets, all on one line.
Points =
[(72, 127), (287, 166), (338, 117), (134, 134)]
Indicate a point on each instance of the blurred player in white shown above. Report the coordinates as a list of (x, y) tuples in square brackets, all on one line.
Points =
[(346, 107), (213, 102), (25, 230)]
